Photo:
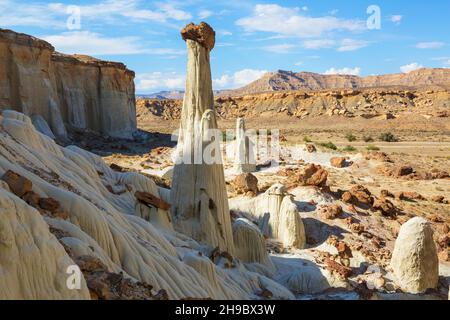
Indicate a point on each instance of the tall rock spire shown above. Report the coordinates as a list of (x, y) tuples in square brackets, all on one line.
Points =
[(199, 198)]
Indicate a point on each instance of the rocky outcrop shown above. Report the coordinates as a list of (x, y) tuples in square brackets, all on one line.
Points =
[(415, 260), (68, 92), (198, 196)]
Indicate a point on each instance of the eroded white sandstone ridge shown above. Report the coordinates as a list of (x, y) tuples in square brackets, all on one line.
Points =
[(199, 197), (414, 260), (36, 248)]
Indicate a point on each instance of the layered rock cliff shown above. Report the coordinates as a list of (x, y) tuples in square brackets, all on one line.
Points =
[(69, 92)]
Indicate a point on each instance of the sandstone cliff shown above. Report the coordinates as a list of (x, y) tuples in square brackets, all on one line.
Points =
[(74, 92)]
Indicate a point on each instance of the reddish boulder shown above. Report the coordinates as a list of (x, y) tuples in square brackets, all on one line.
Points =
[(329, 212), (246, 182), (32, 198), (17, 184), (313, 175), (49, 204), (403, 171), (385, 207), (311, 148), (151, 200), (338, 162)]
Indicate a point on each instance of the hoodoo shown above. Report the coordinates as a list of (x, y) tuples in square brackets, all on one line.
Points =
[(199, 197), (244, 154)]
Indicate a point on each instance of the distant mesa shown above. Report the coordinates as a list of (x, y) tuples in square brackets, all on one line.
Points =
[(290, 81)]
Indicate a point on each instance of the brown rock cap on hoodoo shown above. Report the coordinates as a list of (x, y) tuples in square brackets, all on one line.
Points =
[(203, 34)]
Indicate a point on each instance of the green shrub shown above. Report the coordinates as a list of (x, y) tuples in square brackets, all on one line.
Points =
[(307, 139), (388, 137), (328, 145), (367, 138), (350, 137), (349, 149), (371, 147)]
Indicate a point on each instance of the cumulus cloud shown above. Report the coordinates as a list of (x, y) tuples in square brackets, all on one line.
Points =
[(410, 67), (292, 22), (95, 44), (238, 79), (347, 71), (157, 81), (396, 18), (54, 15), (430, 45), (352, 45)]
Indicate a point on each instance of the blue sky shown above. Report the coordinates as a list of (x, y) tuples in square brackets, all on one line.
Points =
[(253, 37)]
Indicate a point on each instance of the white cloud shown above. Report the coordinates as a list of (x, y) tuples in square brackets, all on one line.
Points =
[(224, 33), (238, 79), (319, 44), (95, 44), (299, 63), (54, 15), (157, 81), (396, 18), (203, 14), (352, 45), (291, 22), (174, 13), (410, 67), (430, 45), (347, 71), (280, 48)]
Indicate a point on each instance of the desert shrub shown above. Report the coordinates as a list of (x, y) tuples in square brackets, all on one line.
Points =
[(350, 137), (307, 139), (388, 137), (367, 138), (349, 149), (371, 147), (328, 145)]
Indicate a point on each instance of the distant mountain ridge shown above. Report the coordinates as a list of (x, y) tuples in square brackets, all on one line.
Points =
[(171, 95), (282, 80)]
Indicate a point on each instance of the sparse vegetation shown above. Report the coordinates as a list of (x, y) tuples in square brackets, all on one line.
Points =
[(372, 147), (388, 137), (350, 137), (349, 149), (328, 145), (307, 139), (367, 138)]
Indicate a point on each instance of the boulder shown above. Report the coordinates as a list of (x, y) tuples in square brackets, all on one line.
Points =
[(17, 184), (313, 175), (49, 204), (338, 162), (403, 171), (358, 195), (311, 148), (386, 207), (415, 260), (246, 182), (329, 212), (151, 200)]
